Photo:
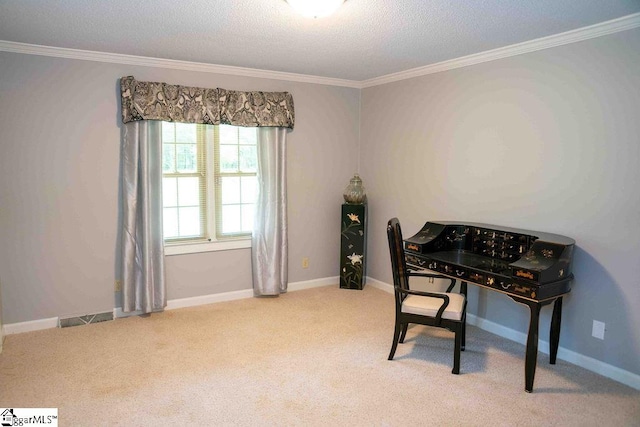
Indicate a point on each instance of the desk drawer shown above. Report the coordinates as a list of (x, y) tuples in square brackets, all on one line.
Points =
[(448, 269)]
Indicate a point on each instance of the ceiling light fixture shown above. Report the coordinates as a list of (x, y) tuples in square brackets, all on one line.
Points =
[(315, 8)]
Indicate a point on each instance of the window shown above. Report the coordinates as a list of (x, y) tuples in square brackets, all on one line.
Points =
[(236, 182), (209, 181), (184, 181)]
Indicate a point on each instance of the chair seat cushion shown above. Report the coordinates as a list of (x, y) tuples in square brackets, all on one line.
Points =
[(429, 306)]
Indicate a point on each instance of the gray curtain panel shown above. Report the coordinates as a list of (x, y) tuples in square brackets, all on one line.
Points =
[(143, 284), (143, 105), (269, 245)]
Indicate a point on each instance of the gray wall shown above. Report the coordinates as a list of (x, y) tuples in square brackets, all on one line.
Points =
[(546, 141), (59, 169)]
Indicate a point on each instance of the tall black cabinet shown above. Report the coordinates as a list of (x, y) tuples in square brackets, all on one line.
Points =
[(353, 245)]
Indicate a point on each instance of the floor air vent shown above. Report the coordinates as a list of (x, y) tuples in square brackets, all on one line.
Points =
[(85, 320)]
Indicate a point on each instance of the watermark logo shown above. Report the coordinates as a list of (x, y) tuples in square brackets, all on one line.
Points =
[(10, 417), (7, 417)]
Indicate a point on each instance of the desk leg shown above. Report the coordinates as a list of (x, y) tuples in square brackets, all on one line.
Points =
[(554, 333), (531, 357)]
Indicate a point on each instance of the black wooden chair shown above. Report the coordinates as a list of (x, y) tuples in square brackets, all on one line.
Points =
[(440, 309)]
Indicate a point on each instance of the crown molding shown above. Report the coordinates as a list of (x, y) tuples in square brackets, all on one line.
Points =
[(602, 29), (116, 58)]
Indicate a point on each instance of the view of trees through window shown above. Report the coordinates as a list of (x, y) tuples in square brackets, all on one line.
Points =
[(236, 179), (209, 181)]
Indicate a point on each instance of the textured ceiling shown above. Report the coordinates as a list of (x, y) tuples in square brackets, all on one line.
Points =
[(363, 40)]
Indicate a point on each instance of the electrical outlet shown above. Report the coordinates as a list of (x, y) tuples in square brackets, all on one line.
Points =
[(305, 262), (118, 286), (597, 331)]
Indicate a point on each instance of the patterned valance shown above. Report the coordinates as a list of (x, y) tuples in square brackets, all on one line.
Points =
[(175, 103)]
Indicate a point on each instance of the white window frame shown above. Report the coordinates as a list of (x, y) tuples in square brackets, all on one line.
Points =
[(181, 247), (202, 170)]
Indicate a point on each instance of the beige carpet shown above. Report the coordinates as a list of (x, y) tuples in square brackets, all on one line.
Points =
[(312, 357)]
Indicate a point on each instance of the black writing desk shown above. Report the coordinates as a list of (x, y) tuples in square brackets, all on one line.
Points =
[(532, 268)]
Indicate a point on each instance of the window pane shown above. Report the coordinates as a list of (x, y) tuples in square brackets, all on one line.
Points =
[(189, 221), (168, 132), (168, 158), (231, 219), (247, 135), (228, 134), (170, 222), (186, 158), (169, 192), (248, 162), (228, 158), (249, 189), (230, 189), (189, 191), (247, 218), (182, 194), (186, 132)]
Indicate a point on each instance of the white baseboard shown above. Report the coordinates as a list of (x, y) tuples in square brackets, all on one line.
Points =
[(236, 295), (604, 369), (594, 365), (33, 325), (380, 285), (208, 299), (192, 302), (316, 283)]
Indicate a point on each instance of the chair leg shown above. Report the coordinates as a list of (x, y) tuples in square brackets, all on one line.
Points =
[(456, 350), (396, 335), (404, 332), (464, 333)]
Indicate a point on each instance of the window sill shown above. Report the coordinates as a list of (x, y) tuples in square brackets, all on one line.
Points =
[(194, 248)]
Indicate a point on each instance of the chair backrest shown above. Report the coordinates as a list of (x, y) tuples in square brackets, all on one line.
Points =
[(396, 250)]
